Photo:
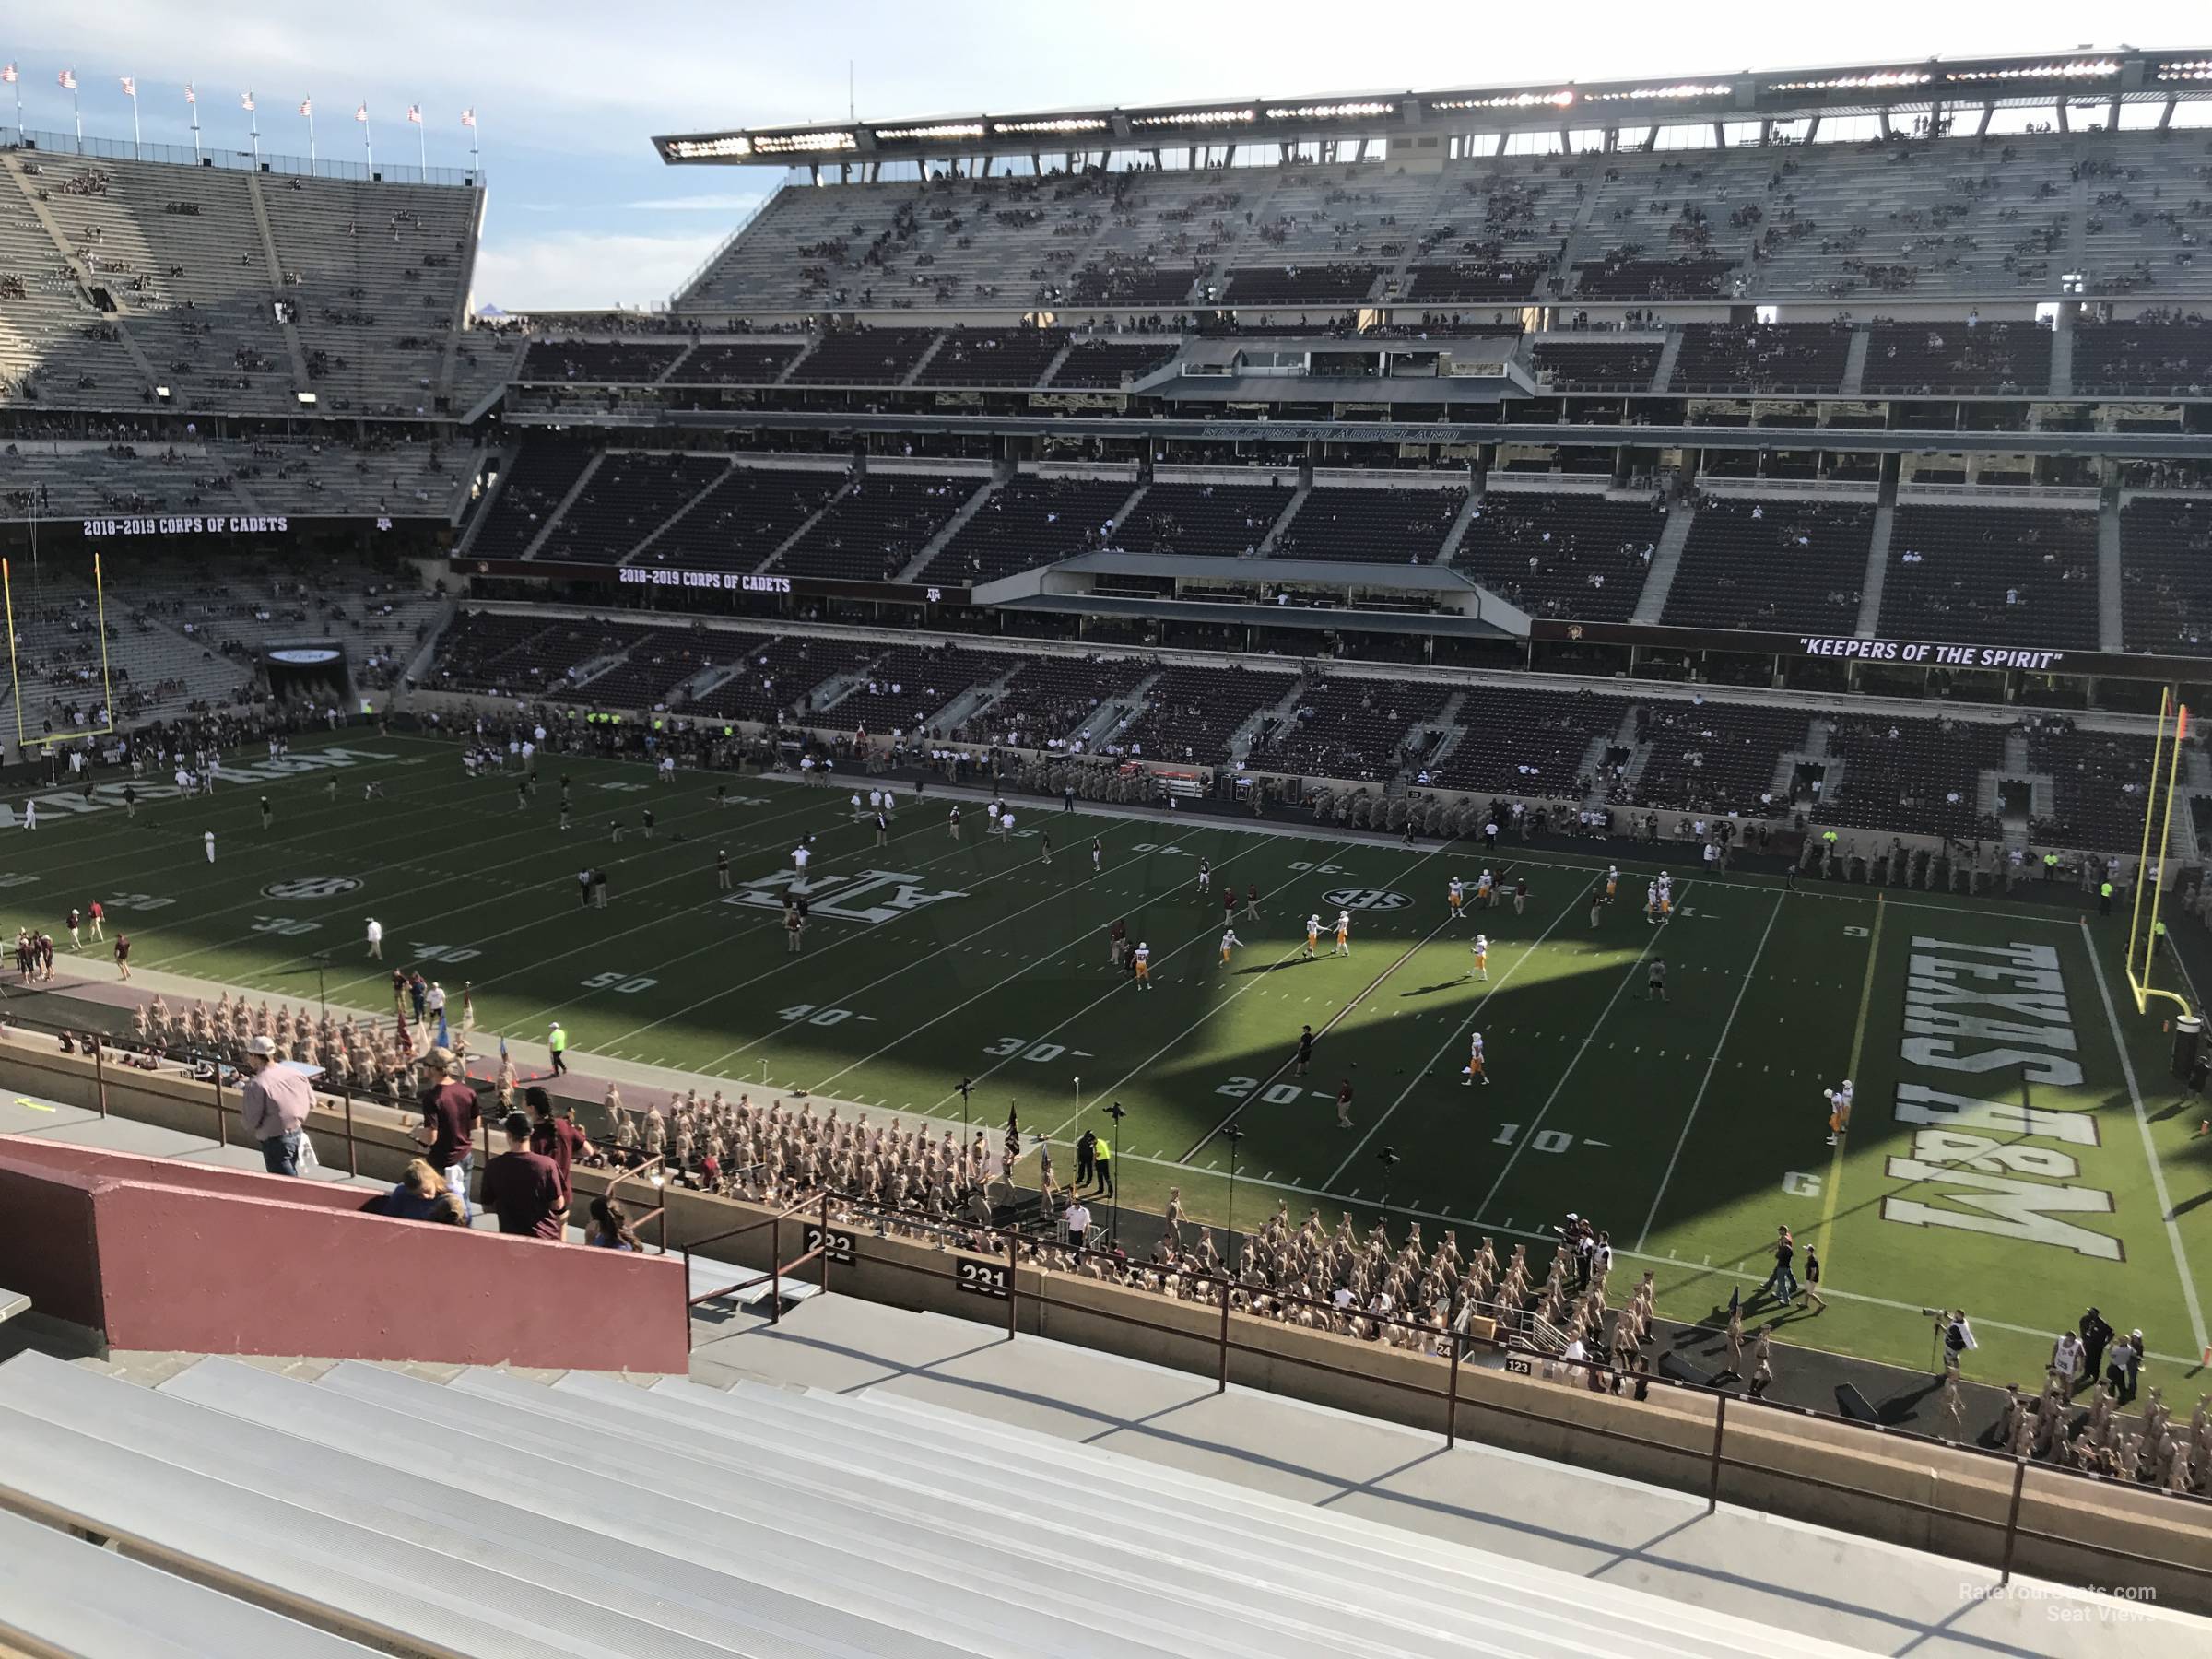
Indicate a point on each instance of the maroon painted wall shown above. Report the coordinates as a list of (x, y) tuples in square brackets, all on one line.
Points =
[(165, 1255)]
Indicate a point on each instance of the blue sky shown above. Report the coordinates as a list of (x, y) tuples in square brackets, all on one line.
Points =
[(583, 213)]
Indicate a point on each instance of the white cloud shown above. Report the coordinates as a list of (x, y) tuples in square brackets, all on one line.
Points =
[(732, 204), (577, 269)]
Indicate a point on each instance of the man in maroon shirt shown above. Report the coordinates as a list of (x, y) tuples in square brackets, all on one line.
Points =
[(448, 1130), (523, 1188), (556, 1139)]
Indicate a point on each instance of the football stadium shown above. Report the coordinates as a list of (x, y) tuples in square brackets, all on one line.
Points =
[(1168, 847)]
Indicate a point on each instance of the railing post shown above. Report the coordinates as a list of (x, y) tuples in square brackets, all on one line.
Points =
[(690, 1333), (824, 1241), (222, 1131), (1719, 1428), (353, 1153), (2012, 1518), (775, 1269), (99, 1071), (1452, 1396), (1013, 1263), (663, 1221), (1221, 1377)]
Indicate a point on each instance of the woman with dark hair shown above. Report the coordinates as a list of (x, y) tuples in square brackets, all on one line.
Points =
[(610, 1227)]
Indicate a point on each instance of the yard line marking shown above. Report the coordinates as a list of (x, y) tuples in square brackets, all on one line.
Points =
[(2150, 1149), (1203, 1019), (1858, 1046), (1751, 973), (1000, 982), (1457, 1032), (1588, 1041), (1275, 1076)]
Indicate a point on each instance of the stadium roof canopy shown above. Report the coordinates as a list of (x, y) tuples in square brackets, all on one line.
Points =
[(2122, 75)]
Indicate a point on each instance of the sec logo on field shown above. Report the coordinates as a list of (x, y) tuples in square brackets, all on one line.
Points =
[(1365, 899), (310, 886)]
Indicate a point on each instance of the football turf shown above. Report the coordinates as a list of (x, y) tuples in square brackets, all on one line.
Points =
[(2016, 1147)]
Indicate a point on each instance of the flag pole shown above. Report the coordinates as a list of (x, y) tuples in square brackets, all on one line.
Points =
[(307, 108), (360, 114), (193, 98), (476, 156), (137, 147), (9, 74), (252, 124)]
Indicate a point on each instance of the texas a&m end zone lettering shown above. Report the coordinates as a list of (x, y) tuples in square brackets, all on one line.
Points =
[(1996, 1012)]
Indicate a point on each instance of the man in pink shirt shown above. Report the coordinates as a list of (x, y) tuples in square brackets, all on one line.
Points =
[(273, 1107)]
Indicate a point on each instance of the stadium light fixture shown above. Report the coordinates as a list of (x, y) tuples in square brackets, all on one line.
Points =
[(1880, 80), (1509, 100), (161, 394), (1063, 123), (1337, 112), (1648, 94), (1195, 118), (948, 129), (2094, 70), (307, 399)]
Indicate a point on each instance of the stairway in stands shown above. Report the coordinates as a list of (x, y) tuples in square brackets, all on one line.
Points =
[(592, 1514)]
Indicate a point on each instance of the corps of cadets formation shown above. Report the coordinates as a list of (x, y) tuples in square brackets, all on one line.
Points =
[(2163, 1451), (366, 1054)]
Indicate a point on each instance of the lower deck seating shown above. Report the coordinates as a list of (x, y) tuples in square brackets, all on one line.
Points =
[(1191, 714), (1224, 521), (1371, 526), (875, 529), (2166, 575), (1525, 742), (2101, 780), (1781, 566), (2019, 576), (1911, 774), (1563, 555), (1712, 757), (1356, 729), (1030, 521)]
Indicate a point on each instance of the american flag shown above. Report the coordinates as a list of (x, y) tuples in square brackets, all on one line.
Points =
[(130, 87), (245, 101), (307, 106), (468, 118), (67, 80), (189, 96), (415, 113), (360, 112), (7, 74)]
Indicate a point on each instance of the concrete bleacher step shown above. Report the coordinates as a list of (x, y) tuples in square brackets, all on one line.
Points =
[(811, 520), (1855, 363), (1666, 559), (61, 1595), (2061, 356), (1669, 353), (568, 500), (911, 570), (1282, 522), (352, 1539), (677, 517), (680, 1512), (1460, 524), (1877, 567), (2109, 614), (274, 266), (923, 362)]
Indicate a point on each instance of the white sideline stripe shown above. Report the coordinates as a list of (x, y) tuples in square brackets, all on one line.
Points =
[(1458, 1032), (1718, 1048), (1588, 1042), (2150, 1149)]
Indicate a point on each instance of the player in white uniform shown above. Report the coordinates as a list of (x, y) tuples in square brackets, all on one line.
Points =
[(1097, 854), (1480, 950), (1228, 943), (1206, 878), (1839, 1111), (1344, 932), (1651, 903), (1142, 963), (1455, 897), (208, 840), (1312, 936), (1483, 885), (1475, 1067)]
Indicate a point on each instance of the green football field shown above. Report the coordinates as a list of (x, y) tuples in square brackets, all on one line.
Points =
[(2016, 1148)]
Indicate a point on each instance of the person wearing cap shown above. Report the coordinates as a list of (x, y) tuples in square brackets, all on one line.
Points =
[(273, 1107), (448, 1130), (523, 1188), (556, 1044)]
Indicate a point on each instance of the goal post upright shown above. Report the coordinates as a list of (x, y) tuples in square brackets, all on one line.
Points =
[(2168, 747), (15, 677)]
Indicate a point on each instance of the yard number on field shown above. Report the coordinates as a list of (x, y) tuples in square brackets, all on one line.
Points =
[(1009, 1048), (814, 1014), (1544, 1140), (137, 902), (629, 984), (1276, 1094), (444, 953), (289, 926)]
